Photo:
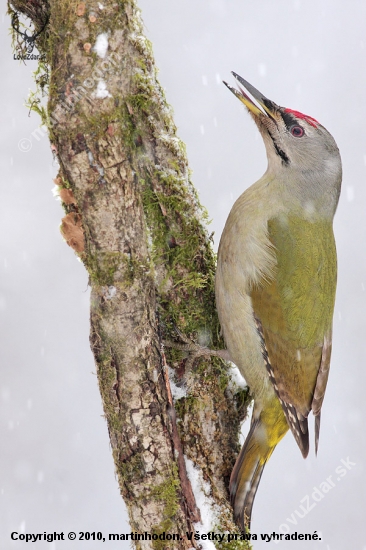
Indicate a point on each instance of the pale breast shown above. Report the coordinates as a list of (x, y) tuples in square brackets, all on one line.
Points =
[(245, 258)]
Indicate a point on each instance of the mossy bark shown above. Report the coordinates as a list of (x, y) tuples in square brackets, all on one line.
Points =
[(134, 219)]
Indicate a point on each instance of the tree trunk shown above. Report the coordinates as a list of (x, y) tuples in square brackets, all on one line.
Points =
[(134, 219)]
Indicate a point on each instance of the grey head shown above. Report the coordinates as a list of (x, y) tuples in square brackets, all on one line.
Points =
[(301, 153)]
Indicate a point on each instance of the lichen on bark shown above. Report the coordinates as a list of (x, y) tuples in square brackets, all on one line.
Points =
[(150, 261)]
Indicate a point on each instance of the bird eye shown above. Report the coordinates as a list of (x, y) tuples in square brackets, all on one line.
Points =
[(297, 131)]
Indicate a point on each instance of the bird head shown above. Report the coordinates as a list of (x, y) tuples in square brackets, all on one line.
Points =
[(299, 148)]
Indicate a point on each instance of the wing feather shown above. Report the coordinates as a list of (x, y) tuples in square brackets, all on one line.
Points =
[(293, 313)]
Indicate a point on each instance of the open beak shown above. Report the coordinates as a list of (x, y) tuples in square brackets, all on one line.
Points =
[(268, 106)]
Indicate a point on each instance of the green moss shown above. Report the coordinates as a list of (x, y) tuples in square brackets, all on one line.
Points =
[(141, 43), (226, 525), (167, 493), (129, 470), (233, 544), (242, 401), (124, 121), (34, 101), (102, 267), (142, 81), (107, 377), (190, 265), (141, 63), (139, 102), (108, 268)]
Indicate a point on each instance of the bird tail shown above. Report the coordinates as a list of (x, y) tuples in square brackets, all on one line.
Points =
[(266, 430)]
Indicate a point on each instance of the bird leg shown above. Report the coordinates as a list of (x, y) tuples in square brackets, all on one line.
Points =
[(195, 350)]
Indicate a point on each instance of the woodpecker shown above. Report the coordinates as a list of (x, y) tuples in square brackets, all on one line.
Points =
[(275, 285)]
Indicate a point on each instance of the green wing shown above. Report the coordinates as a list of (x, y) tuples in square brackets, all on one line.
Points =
[(294, 312)]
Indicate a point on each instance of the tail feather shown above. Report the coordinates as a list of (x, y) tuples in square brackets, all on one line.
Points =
[(256, 451), (243, 512), (317, 431), (246, 451)]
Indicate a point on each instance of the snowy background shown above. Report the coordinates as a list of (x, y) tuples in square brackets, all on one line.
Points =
[(56, 469)]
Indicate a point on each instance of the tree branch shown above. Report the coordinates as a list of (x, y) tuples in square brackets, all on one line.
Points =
[(134, 219)]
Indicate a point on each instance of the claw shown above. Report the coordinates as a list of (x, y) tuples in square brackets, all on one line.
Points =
[(195, 350)]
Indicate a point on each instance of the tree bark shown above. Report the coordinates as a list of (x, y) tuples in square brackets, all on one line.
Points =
[(134, 219)]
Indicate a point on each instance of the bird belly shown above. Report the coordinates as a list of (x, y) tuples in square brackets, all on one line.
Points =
[(240, 332)]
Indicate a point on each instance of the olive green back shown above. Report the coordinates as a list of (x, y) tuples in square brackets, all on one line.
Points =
[(296, 306)]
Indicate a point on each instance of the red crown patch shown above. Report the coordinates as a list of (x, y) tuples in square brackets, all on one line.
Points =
[(310, 120)]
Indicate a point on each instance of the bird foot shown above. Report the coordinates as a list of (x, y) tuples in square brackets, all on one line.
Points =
[(194, 350)]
